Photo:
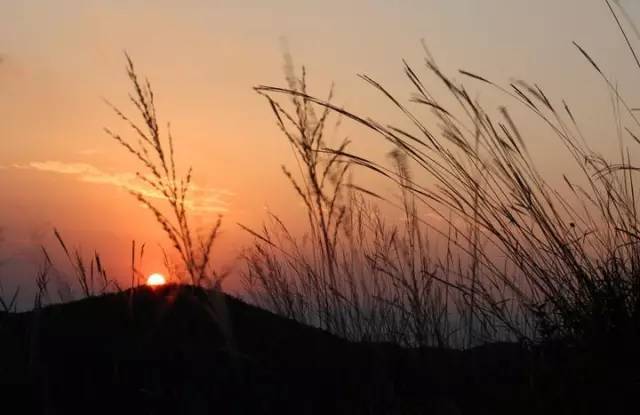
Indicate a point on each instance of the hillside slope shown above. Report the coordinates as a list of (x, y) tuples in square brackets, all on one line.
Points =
[(179, 349)]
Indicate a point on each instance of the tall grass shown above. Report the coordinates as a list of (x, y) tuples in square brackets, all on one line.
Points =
[(353, 273), (571, 255), (91, 275), (8, 302), (153, 148)]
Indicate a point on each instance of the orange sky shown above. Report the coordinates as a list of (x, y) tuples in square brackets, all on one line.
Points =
[(60, 58)]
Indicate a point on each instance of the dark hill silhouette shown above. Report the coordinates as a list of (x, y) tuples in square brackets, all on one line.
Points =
[(180, 349)]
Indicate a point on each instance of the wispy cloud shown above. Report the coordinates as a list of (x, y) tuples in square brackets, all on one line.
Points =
[(203, 199)]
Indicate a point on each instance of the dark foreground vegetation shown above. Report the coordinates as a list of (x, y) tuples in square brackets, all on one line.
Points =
[(180, 349)]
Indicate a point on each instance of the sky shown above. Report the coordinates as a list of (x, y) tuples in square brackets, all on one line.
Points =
[(59, 61)]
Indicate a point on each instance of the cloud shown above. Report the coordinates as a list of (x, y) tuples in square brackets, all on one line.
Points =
[(202, 199)]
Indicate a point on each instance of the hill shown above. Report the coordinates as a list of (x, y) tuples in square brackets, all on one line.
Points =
[(181, 349)]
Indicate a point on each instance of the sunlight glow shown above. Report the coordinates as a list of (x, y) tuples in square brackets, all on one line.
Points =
[(156, 279)]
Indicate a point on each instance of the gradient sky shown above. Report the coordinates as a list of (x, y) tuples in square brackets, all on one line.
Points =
[(58, 59)]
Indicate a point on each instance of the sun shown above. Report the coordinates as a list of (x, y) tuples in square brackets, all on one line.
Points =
[(156, 279)]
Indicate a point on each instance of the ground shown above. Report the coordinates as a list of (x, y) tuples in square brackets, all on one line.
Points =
[(180, 349)]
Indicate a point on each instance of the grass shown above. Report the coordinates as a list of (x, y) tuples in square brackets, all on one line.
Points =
[(153, 148), (352, 274), (572, 255)]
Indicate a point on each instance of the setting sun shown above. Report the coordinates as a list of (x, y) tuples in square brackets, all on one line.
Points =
[(156, 279)]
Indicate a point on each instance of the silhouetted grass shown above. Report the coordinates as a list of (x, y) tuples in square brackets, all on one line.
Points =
[(91, 277), (353, 273), (154, 150), (572, 255)]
